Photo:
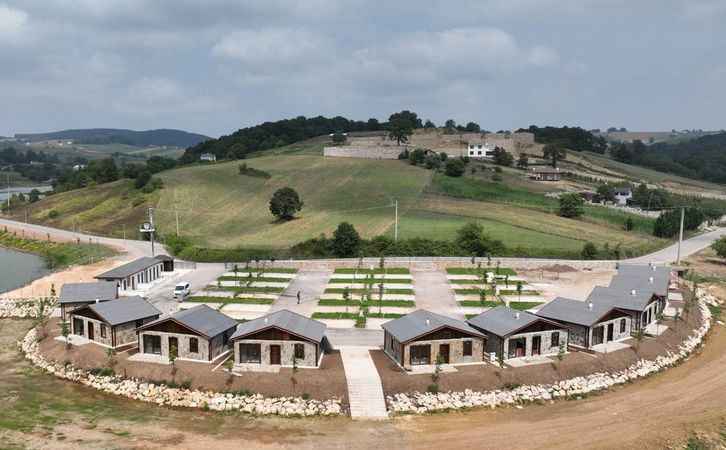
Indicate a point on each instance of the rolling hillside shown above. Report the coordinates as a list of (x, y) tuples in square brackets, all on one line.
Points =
[(162, 137), (219, 208)]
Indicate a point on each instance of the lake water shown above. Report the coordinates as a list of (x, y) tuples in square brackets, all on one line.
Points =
[(18, 269)]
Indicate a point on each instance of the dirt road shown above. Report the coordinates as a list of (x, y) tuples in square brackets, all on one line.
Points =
[(654, 413)]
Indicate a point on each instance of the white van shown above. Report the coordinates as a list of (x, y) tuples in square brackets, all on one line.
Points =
[(182, 289)]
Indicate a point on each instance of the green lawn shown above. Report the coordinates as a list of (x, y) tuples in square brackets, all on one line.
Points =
[(237, 300), (371, 304), (373, 281), (363, 291), (253, 278), (386, 270), (476, 304), (475, 271), (521, 306)]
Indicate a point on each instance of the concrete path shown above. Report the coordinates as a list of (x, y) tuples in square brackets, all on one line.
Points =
[(688, 248), (342, 337), (310, 284), (434, 293), (365, 391)]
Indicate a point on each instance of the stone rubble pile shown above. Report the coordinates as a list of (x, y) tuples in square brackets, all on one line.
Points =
[(179, 397), (24, 308), (420, 403)]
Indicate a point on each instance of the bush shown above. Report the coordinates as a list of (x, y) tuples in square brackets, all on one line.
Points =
[(720, 247), (142, 178), (473, 241), (252, 172), (571, 205), (53, 214), (346, 241), (433, 388), (589, 251), (454, 167), (417, 156), (285, 202), (497, 177)]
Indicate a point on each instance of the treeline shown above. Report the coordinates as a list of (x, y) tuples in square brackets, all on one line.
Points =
[(106, 171), (702, 159), (276, 134), (36, 166), (573, 138)]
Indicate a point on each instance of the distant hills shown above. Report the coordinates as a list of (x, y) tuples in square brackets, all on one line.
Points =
[(174, 138)]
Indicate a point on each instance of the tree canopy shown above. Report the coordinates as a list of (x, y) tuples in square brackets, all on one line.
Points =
[(554, 153), (346, 241), (285, 202), (573, 138), (571, 205)]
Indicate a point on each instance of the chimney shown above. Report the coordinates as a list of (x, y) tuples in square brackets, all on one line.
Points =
[(632, 292), (98, 300), (589, 306), (654, 268), (266, 319), (516, 315), (428, 322), (651, 279)]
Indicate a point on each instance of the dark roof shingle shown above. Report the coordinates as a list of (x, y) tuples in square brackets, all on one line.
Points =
[(88, 292), (421, 322), (575, 311), (129, 268), (285, 320), (201, 319), (503, 321), (124, 310)]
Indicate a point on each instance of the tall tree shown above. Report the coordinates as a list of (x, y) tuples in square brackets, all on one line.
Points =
[(554, 153), (285, 202), (346, 241)]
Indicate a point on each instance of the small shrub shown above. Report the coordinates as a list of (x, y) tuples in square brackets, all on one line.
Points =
[(53, 214), (306, 396), (433, 388), (186, 384)]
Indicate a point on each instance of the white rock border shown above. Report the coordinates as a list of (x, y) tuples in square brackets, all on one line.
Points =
[(422, 403), (163, 395), (26, 308)]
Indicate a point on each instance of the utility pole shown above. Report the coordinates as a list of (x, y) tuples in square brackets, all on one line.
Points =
[(176, 213), (123, 227), (8, 177), (680, 235), (395, 230)]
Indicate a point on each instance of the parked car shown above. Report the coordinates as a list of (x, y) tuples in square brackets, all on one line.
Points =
[(182, 289)]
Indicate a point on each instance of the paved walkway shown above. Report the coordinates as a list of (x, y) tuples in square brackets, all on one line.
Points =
[(342, 337), (310, 284), (365, 392), (434, 293)]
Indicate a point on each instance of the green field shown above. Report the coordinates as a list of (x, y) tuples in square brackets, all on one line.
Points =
[(218, 208)]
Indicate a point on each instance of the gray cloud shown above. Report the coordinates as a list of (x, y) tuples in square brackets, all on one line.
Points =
[(218, 65)]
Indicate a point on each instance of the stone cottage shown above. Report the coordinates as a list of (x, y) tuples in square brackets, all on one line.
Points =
[(278, 339), (422, 338), (76, 295), (588, 323), (196, 334), (113, 323), (519, 334)]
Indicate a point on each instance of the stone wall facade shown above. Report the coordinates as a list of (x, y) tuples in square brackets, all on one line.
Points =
[(456, 351), (365, 152), (101, 331), (495, 344), (617, 334), (287, 352), (183, 349)]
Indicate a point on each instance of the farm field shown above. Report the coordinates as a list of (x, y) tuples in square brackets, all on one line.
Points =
[(219, 208)]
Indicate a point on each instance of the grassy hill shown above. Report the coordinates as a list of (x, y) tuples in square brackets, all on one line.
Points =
[(162, 137), (219, 208)]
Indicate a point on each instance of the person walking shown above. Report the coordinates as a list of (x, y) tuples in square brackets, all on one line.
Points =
[(298, 297)]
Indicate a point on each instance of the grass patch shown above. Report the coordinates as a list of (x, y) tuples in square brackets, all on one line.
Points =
[(247, 290), (490, 292), (498, 281), (476, 304), (243, 280), (371, 304), (373, 281), (475, 271), (384, 315), (57, 255), (335, 315), (715, 311), (386, 270), (363, 291), (268, 270), (236, 300), (521, 306)]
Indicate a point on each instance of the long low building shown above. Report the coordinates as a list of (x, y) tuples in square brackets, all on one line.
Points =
[(130, 275)]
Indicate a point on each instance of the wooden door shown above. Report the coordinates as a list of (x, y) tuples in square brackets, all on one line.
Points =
[(90, 330), (597, 335), (536, 345), (444, 351), (611, 330), (520, 349), (275, 355), (77, 326)]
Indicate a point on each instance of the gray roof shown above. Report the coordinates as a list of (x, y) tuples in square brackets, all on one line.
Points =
[(129, 268), (503, 321), (88, 292), (201, 319), (285, 320), (421, 322), (642, 277), (124, 309), (633, 299), (575, 311)]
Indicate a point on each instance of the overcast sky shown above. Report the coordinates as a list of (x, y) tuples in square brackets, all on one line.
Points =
[(214, 66)]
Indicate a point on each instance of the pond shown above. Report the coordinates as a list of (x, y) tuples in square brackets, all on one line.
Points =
[(18, 269)]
